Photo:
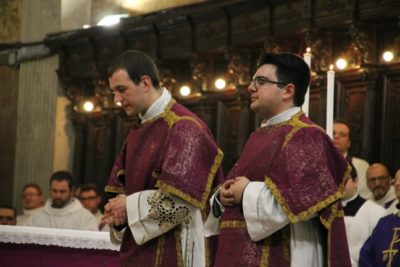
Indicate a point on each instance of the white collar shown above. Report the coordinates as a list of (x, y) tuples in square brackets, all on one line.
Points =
[(344, 202), (281, 117), (157, 107)]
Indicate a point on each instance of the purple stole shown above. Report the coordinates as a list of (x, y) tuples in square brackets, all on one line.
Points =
[(306, 175), (174, 152)]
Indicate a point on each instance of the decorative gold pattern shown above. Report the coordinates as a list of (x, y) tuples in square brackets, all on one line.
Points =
[(164, 211), (390, 253), (199, 204), (233, 224), (265, 253), (114, 189), (160, 250), (293, 218), (335, 213), (178, 247), (120, 172), (297, 124)]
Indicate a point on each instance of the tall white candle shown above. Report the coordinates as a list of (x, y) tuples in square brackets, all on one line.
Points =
[(307, 58), (330, 100)]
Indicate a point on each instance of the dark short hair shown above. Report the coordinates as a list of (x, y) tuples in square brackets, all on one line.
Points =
[(62, 176), (89, 187), (345, 122), (290, 68), (353, 173), (36, 186), (137, 64), (9, 207)]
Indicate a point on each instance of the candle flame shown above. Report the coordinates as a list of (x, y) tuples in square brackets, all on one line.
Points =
[(308, 50), (331, 67)]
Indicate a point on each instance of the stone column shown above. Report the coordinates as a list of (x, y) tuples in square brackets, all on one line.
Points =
[(37, 96)]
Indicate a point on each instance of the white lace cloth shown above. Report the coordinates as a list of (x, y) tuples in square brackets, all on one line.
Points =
[(56, 237)]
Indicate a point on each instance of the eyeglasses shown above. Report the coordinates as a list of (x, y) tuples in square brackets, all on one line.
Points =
[(261, 80), (87, 198), (373, 180), (30, 195)]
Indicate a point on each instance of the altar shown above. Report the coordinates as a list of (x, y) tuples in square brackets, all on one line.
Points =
[(42, 247)]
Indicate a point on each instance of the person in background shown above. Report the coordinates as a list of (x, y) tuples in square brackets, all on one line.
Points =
[(62, 210), (360, 216), (32, 201), (91, 200), (380, 184), (8, 215), (383, 246), (342, 137)]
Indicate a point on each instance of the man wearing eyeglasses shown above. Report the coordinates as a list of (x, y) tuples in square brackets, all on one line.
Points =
[(91, 200), (281, 202), (380, 184), (32, 200)]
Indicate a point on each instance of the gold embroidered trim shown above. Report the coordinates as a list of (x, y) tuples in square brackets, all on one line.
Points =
[(286, 244), (233, 224), (114, 189), (335, 213), (167, 108), (297, 125), (208, 250), (120, 172), (265, 253), (171, 118), (160, 251), (199, 204), (178, 247), (293, 218)]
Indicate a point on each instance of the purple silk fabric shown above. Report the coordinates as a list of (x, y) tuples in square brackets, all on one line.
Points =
[(306, 174), (23, 255), (176, 153)]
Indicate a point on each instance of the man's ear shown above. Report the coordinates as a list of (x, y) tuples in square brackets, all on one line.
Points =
[(288, 92), (147, 83)]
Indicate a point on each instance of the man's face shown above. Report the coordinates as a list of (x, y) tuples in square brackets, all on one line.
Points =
[(397, 184), (341, 137), (350, 189), (7, 217), (60, 193), (127, 93), (90, 200), (378, 181), (31, 198), (266, 98)]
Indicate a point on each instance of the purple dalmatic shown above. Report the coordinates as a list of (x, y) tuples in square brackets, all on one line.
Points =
[(306, 174), (174, 152), (382, 248)]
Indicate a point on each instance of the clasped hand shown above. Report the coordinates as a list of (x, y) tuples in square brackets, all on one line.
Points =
[(115, 212), (232, 191)]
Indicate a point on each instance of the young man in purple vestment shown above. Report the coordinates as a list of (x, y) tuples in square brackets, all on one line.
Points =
[(163, 175), (281, 203)]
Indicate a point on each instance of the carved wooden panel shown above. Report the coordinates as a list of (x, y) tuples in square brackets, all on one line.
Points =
[(350, 103), (80, 59), (107, 48), (290, 17), (211, 31), (390, 123), (331, 11), (175, 38), (249, 22), (142, 38)]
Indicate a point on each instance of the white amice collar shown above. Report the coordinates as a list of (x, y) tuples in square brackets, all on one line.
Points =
[(281, 117), (344, 202), (157, 107)]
